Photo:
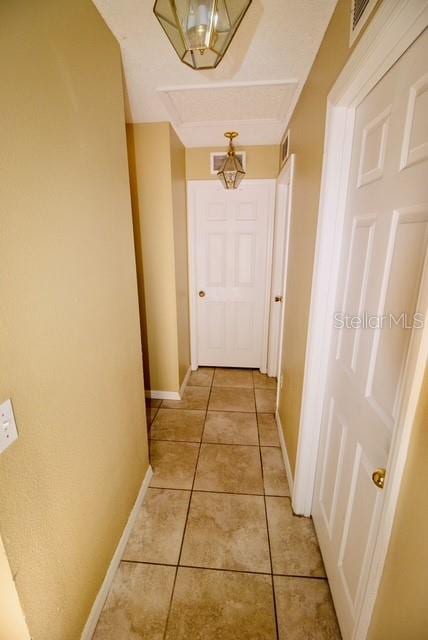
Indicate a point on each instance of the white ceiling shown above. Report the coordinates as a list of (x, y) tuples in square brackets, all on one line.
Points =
[(253, 90)]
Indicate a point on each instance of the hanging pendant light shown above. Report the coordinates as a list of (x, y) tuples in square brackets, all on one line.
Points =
[(200, 30), (231, 172)]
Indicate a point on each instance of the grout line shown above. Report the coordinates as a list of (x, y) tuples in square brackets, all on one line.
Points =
[(231, 493), (267, 529), (192, 566), (157, 564), (187, 513), (223, 444), (250, 571), (150, 425), (293, 575)]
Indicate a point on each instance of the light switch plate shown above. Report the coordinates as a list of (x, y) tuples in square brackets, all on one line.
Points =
[(8, 432)]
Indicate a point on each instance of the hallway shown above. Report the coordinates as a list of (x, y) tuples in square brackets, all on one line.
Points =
[(216, 552)]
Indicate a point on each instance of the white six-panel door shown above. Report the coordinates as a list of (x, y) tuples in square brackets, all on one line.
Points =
[(383, 271), (231, 240)]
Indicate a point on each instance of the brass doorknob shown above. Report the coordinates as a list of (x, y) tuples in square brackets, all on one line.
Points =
[(378, 478), (278, 298), (202, 294)]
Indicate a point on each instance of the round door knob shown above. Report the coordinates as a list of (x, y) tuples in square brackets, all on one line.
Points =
[(378, 478), (202, 294)]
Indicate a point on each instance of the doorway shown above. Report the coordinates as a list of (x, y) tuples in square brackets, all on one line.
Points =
[(283, 212), (230, 262), (362, 382)]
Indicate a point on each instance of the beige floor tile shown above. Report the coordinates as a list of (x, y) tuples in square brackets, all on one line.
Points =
[(158, 531), (268, 431), (229, 468), (262, 381), (231, 427), (178, 424), (173, 464), (294, 545), (137, 606), (265, 400), (193, 398), (233, 378), (203, 377), (226, 531), (305, 610), (274, 476), (221, 605), (231, 399)]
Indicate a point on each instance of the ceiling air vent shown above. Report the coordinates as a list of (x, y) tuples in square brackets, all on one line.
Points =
[(361, 10)]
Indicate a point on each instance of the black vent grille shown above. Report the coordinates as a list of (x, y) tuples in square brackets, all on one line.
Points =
[(358, 10)]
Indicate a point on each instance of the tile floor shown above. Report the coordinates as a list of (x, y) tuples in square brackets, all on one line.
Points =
[(216, 552)]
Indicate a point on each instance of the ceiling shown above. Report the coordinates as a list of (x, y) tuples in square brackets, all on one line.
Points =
[(253, 90)]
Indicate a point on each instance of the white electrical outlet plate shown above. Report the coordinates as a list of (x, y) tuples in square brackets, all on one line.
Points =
[(8, 432)]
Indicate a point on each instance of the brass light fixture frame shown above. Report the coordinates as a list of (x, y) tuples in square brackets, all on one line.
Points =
[(231, 164), (220, 54)]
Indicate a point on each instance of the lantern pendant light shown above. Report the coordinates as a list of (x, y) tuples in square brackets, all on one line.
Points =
[(200, 30), (231, 172)]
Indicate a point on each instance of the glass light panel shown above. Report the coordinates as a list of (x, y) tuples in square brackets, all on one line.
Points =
[(231, 173), (200, 30)]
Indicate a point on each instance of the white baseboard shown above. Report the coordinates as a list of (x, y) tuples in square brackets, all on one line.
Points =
[(91, 623), (284, 454), (170, 395), (185, 381), (163, 395)]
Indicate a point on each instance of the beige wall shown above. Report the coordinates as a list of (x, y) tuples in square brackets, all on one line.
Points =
[(262, 162), (70, 340), (156, 159), (400, 610)]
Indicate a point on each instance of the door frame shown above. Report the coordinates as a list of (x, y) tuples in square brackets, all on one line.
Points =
[(192, 187), (395, 26), (283, 211)]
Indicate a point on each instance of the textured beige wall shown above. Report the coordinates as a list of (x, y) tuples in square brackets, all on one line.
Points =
[(262, 161), (159, 207), (70, 341), (401, 610)]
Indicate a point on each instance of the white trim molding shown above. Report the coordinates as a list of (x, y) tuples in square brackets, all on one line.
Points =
[(284, 453), (283, 215), (170, 395), (395, 26), (91, 622), (162, 395)]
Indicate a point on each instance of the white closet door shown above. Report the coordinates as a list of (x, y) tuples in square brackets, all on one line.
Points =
[(232, 263), (383, 271)]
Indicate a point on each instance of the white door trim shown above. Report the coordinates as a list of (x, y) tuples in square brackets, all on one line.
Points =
[(283, 203), (192, 187), (393, 29)]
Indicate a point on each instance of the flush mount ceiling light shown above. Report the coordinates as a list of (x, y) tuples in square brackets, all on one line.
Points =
[(231, 172), (200, 30)]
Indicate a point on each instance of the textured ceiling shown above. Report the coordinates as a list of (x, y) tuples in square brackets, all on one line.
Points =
[(253, 90)]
